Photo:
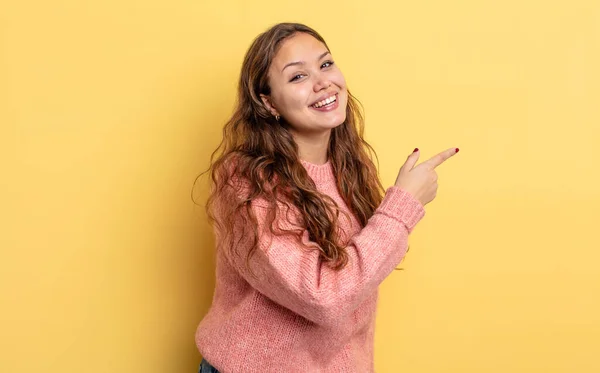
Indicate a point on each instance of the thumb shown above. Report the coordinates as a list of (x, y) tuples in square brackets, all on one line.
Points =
[(411, 160)]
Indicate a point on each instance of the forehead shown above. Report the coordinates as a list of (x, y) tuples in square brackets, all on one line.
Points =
[(300, 47)]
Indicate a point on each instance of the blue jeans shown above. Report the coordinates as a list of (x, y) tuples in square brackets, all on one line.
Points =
[(205, 367)]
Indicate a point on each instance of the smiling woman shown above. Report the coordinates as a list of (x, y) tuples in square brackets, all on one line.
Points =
[(305, 232)]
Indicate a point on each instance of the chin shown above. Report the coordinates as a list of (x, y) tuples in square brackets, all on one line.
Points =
[(339, 120)]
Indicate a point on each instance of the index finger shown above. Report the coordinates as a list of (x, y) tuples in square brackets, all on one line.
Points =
[(440, 158)]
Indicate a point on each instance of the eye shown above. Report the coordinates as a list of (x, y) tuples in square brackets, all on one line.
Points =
[(328, 63), (296, 77)]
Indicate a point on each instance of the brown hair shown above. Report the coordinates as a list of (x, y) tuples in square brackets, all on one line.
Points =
[(261, 151)]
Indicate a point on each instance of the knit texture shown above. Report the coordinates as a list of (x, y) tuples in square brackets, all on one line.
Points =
[(296, 314)]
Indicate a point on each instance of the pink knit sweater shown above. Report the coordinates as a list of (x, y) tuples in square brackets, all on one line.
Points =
[(297, 314)]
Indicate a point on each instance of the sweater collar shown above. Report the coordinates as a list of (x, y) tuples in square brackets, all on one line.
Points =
[(320, 173)]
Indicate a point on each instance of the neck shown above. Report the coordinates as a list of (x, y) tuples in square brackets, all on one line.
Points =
[(313, 147)]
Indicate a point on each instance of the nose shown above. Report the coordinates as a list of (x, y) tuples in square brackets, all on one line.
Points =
[(321, 82)]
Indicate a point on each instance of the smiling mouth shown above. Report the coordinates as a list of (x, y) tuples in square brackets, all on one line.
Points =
[(327, 102)]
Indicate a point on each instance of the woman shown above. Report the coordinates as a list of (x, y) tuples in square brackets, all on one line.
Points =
[(305, 232)]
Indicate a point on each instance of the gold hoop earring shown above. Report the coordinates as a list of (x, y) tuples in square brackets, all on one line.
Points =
[(277, 117)]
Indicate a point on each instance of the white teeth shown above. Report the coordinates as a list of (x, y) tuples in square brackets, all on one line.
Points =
[(327, 101)]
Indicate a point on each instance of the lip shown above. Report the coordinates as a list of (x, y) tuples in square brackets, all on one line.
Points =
[(328, 108), (327, 95)]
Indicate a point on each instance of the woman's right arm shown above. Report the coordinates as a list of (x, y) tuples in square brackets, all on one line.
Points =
[(298, 279)]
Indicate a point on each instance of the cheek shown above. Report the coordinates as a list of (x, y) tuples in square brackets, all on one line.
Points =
[(339, 80), (296, 97)]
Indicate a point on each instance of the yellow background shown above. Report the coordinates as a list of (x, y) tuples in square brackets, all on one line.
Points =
[(109, 110)]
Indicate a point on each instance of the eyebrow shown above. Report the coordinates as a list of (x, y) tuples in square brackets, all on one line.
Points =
[(302, 62)]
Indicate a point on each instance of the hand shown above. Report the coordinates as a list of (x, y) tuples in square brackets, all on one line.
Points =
[(421, 181)]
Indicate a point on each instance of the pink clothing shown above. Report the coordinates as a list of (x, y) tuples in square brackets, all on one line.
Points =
[(297, 314)]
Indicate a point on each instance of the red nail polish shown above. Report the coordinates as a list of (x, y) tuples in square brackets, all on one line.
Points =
[(416, 150), (457, 149)]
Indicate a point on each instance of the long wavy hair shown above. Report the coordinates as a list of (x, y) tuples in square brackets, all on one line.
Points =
[(261, 152)]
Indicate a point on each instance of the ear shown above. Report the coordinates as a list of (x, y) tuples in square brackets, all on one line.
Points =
[(269, 104)]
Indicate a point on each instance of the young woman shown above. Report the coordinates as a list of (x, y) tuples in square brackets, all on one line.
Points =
[(305, 232)]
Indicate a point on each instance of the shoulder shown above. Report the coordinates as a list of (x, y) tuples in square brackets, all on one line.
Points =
[(239, 181)]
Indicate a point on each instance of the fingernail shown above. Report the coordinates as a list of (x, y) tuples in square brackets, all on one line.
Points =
[(416, 150), (457, 149)]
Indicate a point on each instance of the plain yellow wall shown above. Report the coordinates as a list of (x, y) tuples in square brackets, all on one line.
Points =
[(109, 110)]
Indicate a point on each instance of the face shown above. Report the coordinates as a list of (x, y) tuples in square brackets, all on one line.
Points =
[(307, 88)]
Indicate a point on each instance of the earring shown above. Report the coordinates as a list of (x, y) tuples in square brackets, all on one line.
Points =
[(277, 117)]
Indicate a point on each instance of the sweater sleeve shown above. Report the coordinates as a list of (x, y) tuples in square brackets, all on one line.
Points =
[(296, 278)]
